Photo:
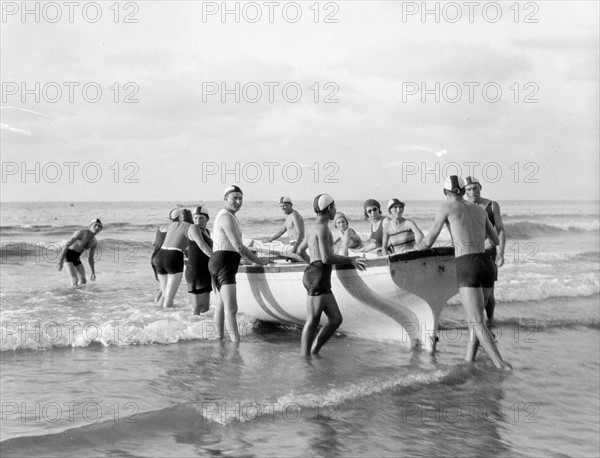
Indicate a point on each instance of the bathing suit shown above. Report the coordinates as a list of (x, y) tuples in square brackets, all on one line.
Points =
[(475, 271), (223, 266), (197, 274), (378, 234), (169, 261), (177, 235), (73, 257), (317, 278), (402, 240)]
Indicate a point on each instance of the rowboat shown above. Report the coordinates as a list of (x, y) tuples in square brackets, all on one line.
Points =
[(398, 297)]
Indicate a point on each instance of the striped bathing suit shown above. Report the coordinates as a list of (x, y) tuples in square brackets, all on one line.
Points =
[(402, 240)]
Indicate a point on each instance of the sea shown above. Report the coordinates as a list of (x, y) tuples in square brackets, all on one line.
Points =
[(100, 370)]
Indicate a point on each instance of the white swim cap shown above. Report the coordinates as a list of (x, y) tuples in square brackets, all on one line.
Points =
[(393, 203), (321, 202), (97, 221), (201, 210), (454, 184), (285, 200), (175, 214), (472, 180)]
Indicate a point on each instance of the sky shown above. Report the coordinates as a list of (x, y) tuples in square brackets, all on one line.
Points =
[(173, 101)]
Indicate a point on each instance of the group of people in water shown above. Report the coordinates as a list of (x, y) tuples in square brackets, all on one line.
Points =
[(475, 226)]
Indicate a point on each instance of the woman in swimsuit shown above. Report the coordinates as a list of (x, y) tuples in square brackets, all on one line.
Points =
[(159, 239), (348, 238), (373, 213), (399, 234), (197, 274)]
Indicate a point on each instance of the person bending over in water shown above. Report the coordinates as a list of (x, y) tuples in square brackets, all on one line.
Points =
[(224, 263), (399, 234), (468, 225), (197, 274), (293, 225), (348, 239), (81, 241), (317, 277), (169, 260)]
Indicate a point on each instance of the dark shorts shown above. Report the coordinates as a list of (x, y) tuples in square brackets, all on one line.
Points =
[(475, 271), (198, 279), (492, 252), (169, 262), (317, 278), (223, 266), (73, 256)]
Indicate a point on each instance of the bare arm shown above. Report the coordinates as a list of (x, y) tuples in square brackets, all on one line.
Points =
[(299, 225), (195, 235), (418, 234), (386, 236), (236, 241), (329, 257), (501, 233), (278, 234), (436, 228), (302, 250), (91, 261), (490, 232)]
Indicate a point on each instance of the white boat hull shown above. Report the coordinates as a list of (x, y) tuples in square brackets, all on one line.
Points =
[(408, 289)]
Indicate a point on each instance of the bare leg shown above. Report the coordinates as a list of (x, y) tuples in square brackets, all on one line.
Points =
[(490, 306), (229, 296), (334, 320), (314, 307), (201, 303), (73, 273), (173, 281), (81, 274), (219, 316), (472, 299), (162, 280), (473, 345)]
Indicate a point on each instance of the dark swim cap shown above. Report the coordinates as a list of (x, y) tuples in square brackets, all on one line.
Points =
[(230, 189), (201, 210)]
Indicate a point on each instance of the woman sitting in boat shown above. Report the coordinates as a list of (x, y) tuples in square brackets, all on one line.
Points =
[(399, 234), (373, 213), (348, 238)]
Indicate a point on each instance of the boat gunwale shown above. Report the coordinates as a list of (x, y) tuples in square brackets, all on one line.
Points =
[(437, 252)]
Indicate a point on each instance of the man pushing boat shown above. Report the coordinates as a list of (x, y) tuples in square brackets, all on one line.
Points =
[(317, 277), (469, 225)]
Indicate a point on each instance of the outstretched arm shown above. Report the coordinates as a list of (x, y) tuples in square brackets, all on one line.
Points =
[(436, 228), (325, 241), (228, 226), (278, 234), (76, 236)]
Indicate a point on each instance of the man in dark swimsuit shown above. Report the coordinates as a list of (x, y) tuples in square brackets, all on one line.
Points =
[(71, 252), (468, 225), (317, 277), (473, 193)]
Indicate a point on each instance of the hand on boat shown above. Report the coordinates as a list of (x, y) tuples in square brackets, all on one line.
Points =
[(359, 263), (262, 261)]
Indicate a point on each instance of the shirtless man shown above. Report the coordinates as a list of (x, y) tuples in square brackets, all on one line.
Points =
[(317, 278), (473, 193), (224, 263), (468, 225), (293, 225), (81, 241)]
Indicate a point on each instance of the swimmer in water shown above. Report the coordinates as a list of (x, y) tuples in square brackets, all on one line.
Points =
[(82, 240)]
